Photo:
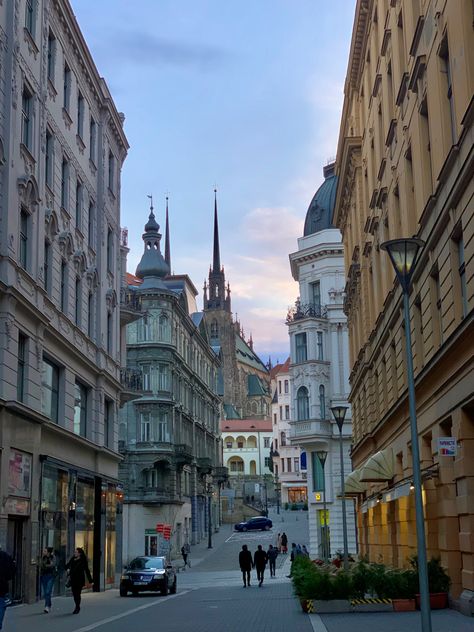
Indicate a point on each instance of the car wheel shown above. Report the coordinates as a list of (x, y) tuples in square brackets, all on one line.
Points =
[(244, 528), (123, 592), (267, 528), (174, 587), (164, 590)]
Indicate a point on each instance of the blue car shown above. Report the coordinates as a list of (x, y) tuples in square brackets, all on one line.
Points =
[(258, 523)]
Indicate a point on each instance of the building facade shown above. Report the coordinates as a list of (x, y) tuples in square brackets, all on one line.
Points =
[(169, 431), (319, 368), (405, 162), (289, 467), (62, 146)]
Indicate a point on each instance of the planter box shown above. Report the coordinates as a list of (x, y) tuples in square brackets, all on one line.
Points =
[(438, 601), (336, 606), (403, 605)]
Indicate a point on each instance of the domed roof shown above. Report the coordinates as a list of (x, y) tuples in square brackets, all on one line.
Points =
[(152, 265), (319, 215)]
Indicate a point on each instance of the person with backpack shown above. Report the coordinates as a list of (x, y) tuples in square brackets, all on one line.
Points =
[(48, 572), (272, 555), (7, 570)]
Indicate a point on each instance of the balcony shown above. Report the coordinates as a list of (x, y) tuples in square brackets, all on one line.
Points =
[(221, 474), (183, 454), (301, 311), (131, 381), (130, 306), (153, 496), (309, 430), (204, 465)]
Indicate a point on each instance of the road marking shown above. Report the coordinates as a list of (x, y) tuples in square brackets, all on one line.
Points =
[(317, 623), (98, 624)]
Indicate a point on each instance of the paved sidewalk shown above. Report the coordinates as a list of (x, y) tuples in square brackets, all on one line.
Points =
[(442, 620)]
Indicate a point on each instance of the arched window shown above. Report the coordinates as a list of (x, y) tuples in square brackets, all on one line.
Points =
[(214, 330), (164, 329), (322, 403), (302, 401), (283, 439)]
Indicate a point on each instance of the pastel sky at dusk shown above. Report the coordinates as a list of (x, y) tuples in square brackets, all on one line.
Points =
[(243, 94)]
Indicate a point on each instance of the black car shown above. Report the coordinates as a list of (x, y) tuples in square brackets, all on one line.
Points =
[(259, 522), (148, 573)]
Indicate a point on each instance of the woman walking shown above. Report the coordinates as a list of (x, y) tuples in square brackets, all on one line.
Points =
[(78, 572), (48, 575), (284, 543)]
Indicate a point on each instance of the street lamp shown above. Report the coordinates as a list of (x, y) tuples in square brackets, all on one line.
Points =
[(339, 414), (209, 525), (275, 453), (403, 254), (322, 455)]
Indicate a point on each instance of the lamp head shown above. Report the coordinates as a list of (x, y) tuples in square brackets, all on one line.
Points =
[(403, 254), (339, 414), (322, 455)]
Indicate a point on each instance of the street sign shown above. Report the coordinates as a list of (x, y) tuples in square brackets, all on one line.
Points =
[(447, 446), (318, 497)]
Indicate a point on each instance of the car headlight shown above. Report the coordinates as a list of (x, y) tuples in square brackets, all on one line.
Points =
[(124, 577), (159, 573)]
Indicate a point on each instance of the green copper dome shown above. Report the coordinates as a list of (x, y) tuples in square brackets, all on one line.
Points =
[(319, 215)]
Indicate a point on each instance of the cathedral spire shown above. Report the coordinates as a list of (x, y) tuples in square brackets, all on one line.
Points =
[(216, 265), (167, 238)]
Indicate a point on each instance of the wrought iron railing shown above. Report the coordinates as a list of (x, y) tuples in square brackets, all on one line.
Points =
[(131, 379), (309, 310), (130, 300)]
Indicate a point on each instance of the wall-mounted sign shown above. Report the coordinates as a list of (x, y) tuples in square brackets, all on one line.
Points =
[(318, 496), (447, 446), (19, 474)]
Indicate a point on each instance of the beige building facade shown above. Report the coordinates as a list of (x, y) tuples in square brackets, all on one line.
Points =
[(405, 162)]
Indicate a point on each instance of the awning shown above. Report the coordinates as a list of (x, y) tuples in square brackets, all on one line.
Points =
[(353, 485), (379, 467)]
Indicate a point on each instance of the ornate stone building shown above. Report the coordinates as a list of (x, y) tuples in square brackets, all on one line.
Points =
[(62, 146), (169, 434), (319, 366), (405, 162)]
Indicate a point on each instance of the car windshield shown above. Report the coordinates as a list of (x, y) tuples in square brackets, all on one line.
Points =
[(146, 563)]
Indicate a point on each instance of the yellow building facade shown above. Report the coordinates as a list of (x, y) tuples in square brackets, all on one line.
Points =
[(405, 163)]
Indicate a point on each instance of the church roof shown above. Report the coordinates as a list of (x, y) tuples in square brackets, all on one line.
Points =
[(255, 385), (247, 356), (230, 412), (320, 211)]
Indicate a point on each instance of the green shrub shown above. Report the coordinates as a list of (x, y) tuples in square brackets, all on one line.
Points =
[(294, 506), (305, 507), (286, 506), (438, 578)]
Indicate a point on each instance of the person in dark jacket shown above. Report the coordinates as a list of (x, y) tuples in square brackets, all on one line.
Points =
[(260, 561), (48, 573), (78, 572), (272, 555), (284, 543), (7, 570), (246, 564)]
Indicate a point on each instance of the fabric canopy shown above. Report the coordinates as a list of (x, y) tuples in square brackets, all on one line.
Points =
[(379, 467), (353, 484)]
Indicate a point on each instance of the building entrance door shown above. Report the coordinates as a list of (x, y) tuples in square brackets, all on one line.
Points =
[(15, 533)]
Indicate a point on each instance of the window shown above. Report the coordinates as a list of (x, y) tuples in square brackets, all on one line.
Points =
[(110, 332), (110, 250), (21, 370), (164, 329), (228, 444), (283, 465), (281, 413), (302, 400), (319, 343), (266, 442), (47, 266), (322, 403), (300, 341), (163, 377), (90, 224), (30, 17), (27, 118), (236, 466), (279, 387), (315, 296), (51, 56), (92, 139), (77, 302), (80, 115), (50, 389), (274, 419), (318, 473), (214, 330), (446, 70), (461, 266), (267, 461), (90, 315), (154, 426), (81, 396), (436, 308), (286, 387), (24, 236), (111, 172), (288, 464), (79, 194), (145, 427), (287, 412), (296, 464), (67, 87), (65, 184), (49, 159), (108, 420), (63, 287), (283, 439)]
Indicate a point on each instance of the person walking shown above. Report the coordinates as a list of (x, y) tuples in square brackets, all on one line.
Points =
[(304, 550), (284, 543), (185, 550), (272, 555), (278, 542), (48, 572), (7, 570), (78, 573), (246, 564), (260, 561)]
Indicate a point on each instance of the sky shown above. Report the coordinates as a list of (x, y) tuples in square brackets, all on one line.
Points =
[(243, 95)]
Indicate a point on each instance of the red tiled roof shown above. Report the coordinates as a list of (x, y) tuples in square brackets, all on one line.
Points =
[(246, 425), (133, 280), (280, 368)]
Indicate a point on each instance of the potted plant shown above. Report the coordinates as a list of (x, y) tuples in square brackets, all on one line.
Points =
[(438, 582), (406, 586)]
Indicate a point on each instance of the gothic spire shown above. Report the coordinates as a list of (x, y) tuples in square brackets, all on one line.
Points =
[(167, 238), (216, 266)]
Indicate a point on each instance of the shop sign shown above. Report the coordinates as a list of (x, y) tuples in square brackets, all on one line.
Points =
[(318, 496), (19, 474), (447, 446), (17, 506), (164, 547), (322, 520)]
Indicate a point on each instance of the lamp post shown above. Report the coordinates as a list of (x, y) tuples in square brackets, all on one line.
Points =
[(274, 453), (403, 254), (339, 414), (322, 455), (209, 525)]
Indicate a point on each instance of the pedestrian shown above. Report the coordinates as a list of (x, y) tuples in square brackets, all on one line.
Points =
[(293, 554), (78, 573), (284, 543), (185, 550), (278, 542), (260, 561), (48, 572), (304, 550), (7, 570), (246, 564), (272, 555)]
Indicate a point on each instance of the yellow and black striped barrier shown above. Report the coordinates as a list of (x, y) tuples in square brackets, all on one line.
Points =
[(361, 602)]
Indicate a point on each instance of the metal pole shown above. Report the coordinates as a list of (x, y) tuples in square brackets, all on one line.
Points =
[(343, 492), (415, 450), (209, 526), (325, 540)]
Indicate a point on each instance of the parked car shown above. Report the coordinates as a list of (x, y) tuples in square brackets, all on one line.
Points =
[(148, 573), (259, 522)]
